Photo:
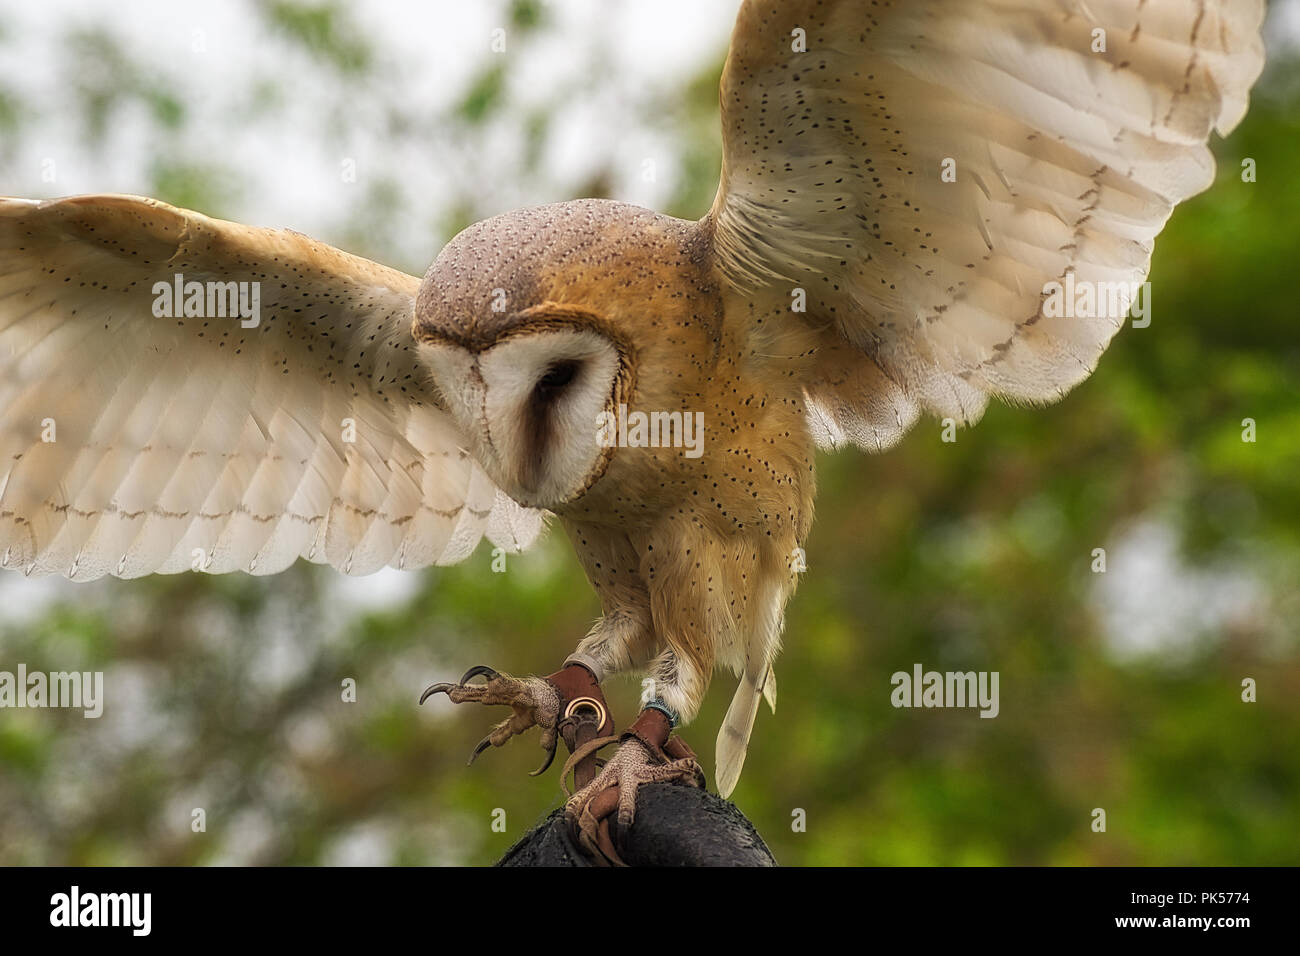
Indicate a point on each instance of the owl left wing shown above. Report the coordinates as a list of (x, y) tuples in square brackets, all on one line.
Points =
[(146, 427), (950, 180)]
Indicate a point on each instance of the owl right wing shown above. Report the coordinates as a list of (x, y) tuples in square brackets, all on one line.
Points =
[(938, 175), (137, 438)]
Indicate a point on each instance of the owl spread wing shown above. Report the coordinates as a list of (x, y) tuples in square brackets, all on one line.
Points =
[(928, 168), (134, 439)]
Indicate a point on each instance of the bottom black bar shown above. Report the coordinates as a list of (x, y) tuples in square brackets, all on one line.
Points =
[(332, 905)]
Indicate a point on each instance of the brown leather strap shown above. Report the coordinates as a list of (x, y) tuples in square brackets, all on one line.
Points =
[(677, 749), (652, 728), (579, 753), (575, 681), (604, 807)]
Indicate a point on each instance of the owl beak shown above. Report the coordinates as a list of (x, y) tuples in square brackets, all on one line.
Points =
[(460, 380), (456, 372)]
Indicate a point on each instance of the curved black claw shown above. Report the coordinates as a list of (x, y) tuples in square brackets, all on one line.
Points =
[(432, 689), (480, 671), (546, 764)]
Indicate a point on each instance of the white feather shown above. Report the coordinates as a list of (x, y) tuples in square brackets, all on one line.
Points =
[(184, 441), (1068, 160)]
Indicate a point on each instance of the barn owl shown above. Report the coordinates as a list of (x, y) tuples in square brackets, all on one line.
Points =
[(907, 188)]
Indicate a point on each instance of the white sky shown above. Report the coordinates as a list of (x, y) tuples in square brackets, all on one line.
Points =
[(287, 168)]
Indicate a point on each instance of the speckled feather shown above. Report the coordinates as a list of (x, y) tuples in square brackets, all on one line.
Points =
[(179, 434), (1067, 161)]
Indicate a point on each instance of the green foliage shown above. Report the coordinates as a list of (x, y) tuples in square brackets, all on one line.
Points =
[(484, 95), (192, 185), (527, 15), (326, 30)]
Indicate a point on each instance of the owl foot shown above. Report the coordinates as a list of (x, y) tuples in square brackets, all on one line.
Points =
[(536, 701), (646, 755)]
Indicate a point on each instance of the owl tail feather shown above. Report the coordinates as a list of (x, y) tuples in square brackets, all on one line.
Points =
[(769, 689), (733, 738)]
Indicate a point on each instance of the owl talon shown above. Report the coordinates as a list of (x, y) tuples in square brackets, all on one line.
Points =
[(612, 795), (534, 700), (647, 754)]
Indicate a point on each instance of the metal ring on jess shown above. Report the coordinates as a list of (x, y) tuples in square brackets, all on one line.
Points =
[(601, 714)]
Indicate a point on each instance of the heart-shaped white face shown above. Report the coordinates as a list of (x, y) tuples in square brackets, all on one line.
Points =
[(531, 407)]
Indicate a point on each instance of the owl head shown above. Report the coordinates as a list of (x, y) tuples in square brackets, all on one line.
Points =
[(534, 327)]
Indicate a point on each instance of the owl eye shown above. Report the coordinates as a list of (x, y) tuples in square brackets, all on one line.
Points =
[(556, 378)]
